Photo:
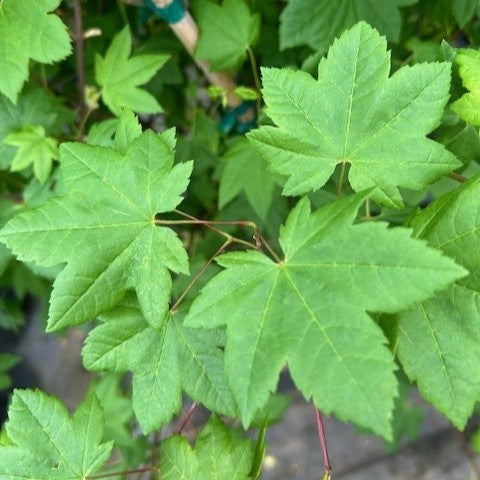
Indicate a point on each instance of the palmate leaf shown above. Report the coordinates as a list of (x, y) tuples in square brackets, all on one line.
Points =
[(120, 76), (28, 31), (219, 454), (226, 33), (46, 444), (104, 228), (164, 362), (468, 106), (317, 22), (438, 341), (356, 115), (310, 310)]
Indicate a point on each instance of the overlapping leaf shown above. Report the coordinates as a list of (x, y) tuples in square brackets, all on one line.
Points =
[(317, 22), (164, 362), (438, 340), (468, 106), (104, 228), (28, 31), (226, 33), (355, 115), (46, 444), (246, 171), (120, 76), (310, 310), (219, 454)]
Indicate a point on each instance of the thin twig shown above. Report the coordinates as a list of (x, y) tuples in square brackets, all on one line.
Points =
[(151, 468), (457, 177), (469, 453), (79, 55), (186, 418), (268, 247), (327, 467), (199, 274), (256, 79)]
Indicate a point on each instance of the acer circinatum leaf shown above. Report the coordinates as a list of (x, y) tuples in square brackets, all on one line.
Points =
[(219, 454), (28, 31), (34, 148), (355, 115), (227, 31), (468, 106), (310, 310), (120, 76), (48, 444), (164, 363), (438, 340), (317, 22), (104, 229)]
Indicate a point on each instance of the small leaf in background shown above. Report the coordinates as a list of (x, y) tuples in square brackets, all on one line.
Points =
[(468, 106), (48, 444), (464, 10), (226, 32), (246, 171), (7, 362), (246, 93), (34, 148), (356, 115), (220, 453), (28, 31), (120, 76), (317, 22), (298, 311), (438, 341)]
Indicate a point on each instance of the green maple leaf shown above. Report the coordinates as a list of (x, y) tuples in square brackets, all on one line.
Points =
[(438, 340), (227, 31), (356, 115), (317, 22), (468, 106), (246, 171), (310, 310), (104, 228), (219, 454), (36, 107), (164, 362), (120, 76), (34, 148), (28, 31), (46, 444)]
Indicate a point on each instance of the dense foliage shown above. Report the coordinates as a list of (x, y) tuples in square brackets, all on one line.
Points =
[(328, 225)]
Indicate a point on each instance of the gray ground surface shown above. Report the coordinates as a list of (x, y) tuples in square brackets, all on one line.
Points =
[(293, 451)]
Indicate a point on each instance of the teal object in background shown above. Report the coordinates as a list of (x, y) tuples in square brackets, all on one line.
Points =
[(172, 13)]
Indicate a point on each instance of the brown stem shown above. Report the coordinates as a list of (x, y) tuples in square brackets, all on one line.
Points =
[(186, 418), (327, 467), (469, 453), (151, 468), (267, 246), (458, 178), (199, 274), (79, 55)]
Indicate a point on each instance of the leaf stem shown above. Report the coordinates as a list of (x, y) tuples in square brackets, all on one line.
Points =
[(340, 181), (151, 468), (186, 418), (457, 177), (256, 78), (79, 55), (199, 274), (327, 467)]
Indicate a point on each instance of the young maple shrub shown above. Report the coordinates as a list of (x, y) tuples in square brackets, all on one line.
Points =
[(336, 237)]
